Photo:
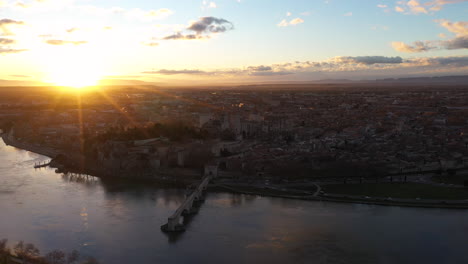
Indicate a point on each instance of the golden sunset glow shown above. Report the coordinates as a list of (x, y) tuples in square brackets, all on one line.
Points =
[(73, 80), (73, 67), (77, 43), (77, 74)]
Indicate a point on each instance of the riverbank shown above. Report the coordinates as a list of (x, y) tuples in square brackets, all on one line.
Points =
[(176, 177), (41, 150), (280, 191), (343, 197)]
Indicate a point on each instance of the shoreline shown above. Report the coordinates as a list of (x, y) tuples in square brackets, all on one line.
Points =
[(339, 198), (342, 198), (44, 151)]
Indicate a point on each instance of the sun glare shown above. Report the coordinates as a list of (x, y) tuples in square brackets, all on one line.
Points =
[(74, 70), (74, 79)]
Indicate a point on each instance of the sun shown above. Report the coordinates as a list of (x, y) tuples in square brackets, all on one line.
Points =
[(74, 78), (74, 74), (73, 69)]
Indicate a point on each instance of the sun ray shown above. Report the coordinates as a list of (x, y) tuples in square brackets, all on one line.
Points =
[(119, 108), (80, 123)]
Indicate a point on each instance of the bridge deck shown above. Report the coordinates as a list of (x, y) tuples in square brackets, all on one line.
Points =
[(173, 224)]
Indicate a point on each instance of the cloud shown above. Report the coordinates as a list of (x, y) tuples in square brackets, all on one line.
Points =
[(5, 41), (417, 46), (180, 36), (399, 9), (438, 4), (296, 21), (426, 7), (456, 43), (202, 29), (454, 61), (345, 67), (348, 14), (283, 23), (251, 71), (6, 24), (459, 28), (460, 41), (71, 30), (59, 42), (211, 25), (208, 5), (177, 72), (260, 68), (416, 7), (10, 51), (271, 73), (292, 22), (150, 44), (368, 60)]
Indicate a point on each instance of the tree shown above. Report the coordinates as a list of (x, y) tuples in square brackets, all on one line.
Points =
[(55, 257), (26, 251), (4, 251), (73, 257)]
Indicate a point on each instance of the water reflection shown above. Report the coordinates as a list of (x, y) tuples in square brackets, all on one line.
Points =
[(86, 180), (119, 222)]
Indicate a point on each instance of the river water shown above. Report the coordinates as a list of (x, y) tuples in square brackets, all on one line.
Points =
[(120, 223)]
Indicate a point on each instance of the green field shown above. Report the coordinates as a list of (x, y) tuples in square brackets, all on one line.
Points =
[(454, 179), (399, 190)]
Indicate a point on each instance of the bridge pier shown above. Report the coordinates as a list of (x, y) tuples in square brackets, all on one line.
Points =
[(173, 225), (188, 207)]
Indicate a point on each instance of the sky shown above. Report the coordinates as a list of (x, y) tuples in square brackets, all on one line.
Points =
[(78, 42)]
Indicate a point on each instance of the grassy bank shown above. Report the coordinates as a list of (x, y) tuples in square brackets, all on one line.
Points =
[(399, 190), (458, 179)]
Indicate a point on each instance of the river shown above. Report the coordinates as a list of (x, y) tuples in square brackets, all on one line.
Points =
[(120, 223)]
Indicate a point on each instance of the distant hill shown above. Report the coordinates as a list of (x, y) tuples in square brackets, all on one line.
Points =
[(448, 80), (124, 82), (463, 79), (20, 83)]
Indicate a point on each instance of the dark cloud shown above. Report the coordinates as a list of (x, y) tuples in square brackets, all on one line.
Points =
[(355, 67), (202, 29), (271, 73), (5, 41), (176, 72), (260, 68), (369, 60), (263, 70), (456, 43), (446, 61), (7, 21), (211, 24), (180, 36), (59, 42)]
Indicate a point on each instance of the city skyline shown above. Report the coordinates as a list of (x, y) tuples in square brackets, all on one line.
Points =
[(77, 43)]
